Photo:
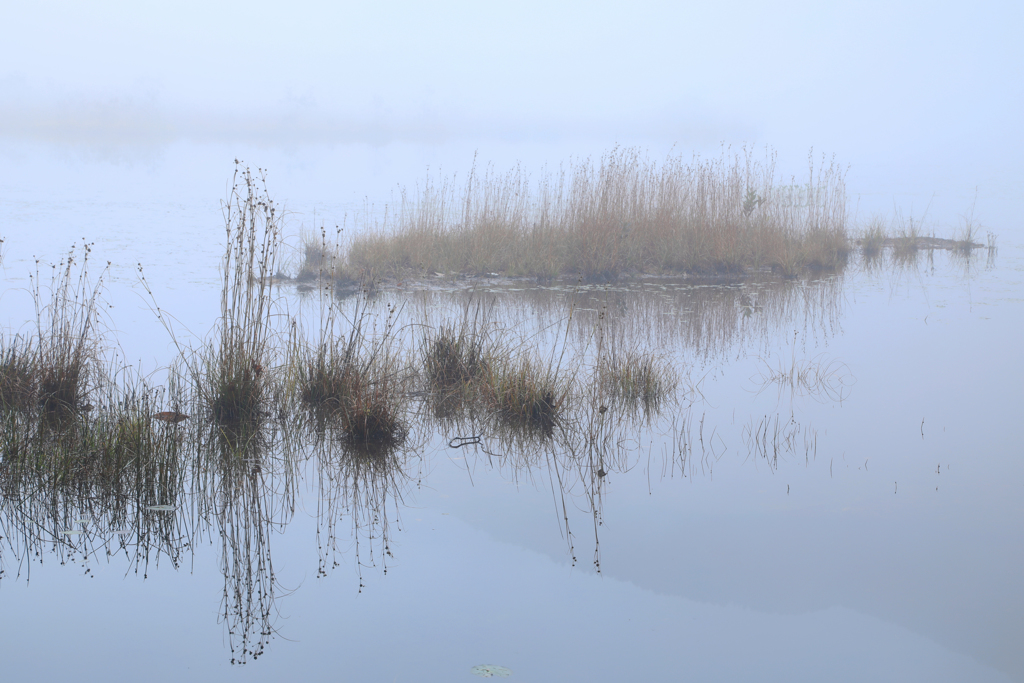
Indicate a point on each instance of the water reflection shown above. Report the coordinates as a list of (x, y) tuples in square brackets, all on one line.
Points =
[(112, 484), (242, 495), (122, 480), (98, 485), (368, 484), (702, 319)]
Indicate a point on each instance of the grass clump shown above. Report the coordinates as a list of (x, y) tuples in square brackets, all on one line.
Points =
[(53, 370), (67, 344), (322, 265), (966, 238), (873, 239), (318, 260), (372, 418), (455, 364), (239, 396), (636, 379), (525, 394), (907, 242), (326, 383), (361, 397), (453, 359), (356, 385), (230, 376)]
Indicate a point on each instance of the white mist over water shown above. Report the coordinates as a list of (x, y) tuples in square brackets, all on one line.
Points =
[(120, 124), (343, 101)]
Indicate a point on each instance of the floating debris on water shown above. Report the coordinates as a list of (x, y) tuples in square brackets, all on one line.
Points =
[(491, 670)]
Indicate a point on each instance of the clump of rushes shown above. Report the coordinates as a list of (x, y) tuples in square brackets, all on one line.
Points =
[(360, 396), (455, 363), (371, 418), (240, 395), (525, 394), (905, 244), (453, 360), (233, 379), (636, 379), (355, 386), (966, 238), (873, 239), (325, 383), (65, 351)]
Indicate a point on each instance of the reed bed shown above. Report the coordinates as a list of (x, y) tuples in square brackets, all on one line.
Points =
[(621, 215)]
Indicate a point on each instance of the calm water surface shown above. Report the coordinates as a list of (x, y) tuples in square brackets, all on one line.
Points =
[(863, 524)]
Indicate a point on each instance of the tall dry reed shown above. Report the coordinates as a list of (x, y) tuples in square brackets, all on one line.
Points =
[(622, 214)]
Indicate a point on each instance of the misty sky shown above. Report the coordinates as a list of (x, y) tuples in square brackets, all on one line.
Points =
[(917, 97)]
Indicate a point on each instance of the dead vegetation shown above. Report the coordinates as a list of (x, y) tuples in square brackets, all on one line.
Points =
[(622, 215)]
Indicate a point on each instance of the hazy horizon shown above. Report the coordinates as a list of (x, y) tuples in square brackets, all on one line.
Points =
[(918, 99)]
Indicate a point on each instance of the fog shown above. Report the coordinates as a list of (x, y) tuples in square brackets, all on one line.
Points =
[(343, 101), (121, 124)]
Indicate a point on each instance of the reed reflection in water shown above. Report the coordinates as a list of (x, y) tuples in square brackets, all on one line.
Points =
[(355, 400), (151, 474)]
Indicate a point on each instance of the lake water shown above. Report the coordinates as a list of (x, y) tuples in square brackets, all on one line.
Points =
[(861, 524)]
